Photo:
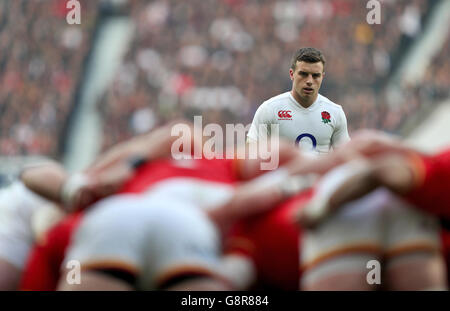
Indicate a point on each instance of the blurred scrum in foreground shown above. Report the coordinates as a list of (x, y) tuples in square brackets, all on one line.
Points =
[(219, 58)]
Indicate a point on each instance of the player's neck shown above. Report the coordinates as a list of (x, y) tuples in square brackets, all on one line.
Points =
[(301, 102)]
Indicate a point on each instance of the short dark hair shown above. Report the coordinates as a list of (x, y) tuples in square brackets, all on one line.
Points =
[(308, 55)]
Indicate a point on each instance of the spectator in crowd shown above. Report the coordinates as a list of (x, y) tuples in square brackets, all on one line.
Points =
[(219, 59)]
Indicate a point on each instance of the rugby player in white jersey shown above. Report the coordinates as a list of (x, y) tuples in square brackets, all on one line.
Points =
[(306, 118)]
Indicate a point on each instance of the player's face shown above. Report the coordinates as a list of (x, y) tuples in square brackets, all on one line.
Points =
[(306, 81)]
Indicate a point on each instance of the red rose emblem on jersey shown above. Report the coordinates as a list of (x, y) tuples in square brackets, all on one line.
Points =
[(326, 118)]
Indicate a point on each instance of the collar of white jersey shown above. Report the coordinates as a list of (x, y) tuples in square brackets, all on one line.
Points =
[(313, 105)]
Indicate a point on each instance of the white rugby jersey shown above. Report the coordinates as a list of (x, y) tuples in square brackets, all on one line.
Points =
[(317, 128)]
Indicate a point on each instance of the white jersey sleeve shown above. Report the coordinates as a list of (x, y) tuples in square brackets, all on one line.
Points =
[(261, 123), (340, 135)]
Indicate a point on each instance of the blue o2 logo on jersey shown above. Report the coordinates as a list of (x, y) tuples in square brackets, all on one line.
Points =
[(307, 136)]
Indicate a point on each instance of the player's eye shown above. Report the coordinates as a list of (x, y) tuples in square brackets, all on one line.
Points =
[(303, 74), (316, 75)]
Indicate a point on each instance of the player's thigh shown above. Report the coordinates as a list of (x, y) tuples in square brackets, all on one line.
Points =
[(413, 260), (341, 273), (9, 276), (416, 271), (334, 256)]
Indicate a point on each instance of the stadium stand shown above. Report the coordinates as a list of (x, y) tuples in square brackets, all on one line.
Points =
[(188, 58), (40, 63), (223, 58)]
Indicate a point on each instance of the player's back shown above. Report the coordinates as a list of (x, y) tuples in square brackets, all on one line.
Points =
[(201, 182)]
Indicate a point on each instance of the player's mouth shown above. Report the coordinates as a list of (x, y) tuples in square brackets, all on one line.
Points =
[(308, 90)]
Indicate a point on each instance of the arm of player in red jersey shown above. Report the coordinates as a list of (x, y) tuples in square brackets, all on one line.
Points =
[(432, 182), (295, 172), (422, 180), (108, 173), (154, 145), (385, 165), (364, 144), (77, 191)]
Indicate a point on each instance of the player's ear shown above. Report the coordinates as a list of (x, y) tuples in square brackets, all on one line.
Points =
[(291, 74)]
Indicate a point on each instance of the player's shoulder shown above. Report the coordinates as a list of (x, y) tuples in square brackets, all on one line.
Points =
[(329, 103), (276, 100)]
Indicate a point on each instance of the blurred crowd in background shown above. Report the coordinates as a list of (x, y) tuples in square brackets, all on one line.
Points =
[(218, 58), (41, 59)]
